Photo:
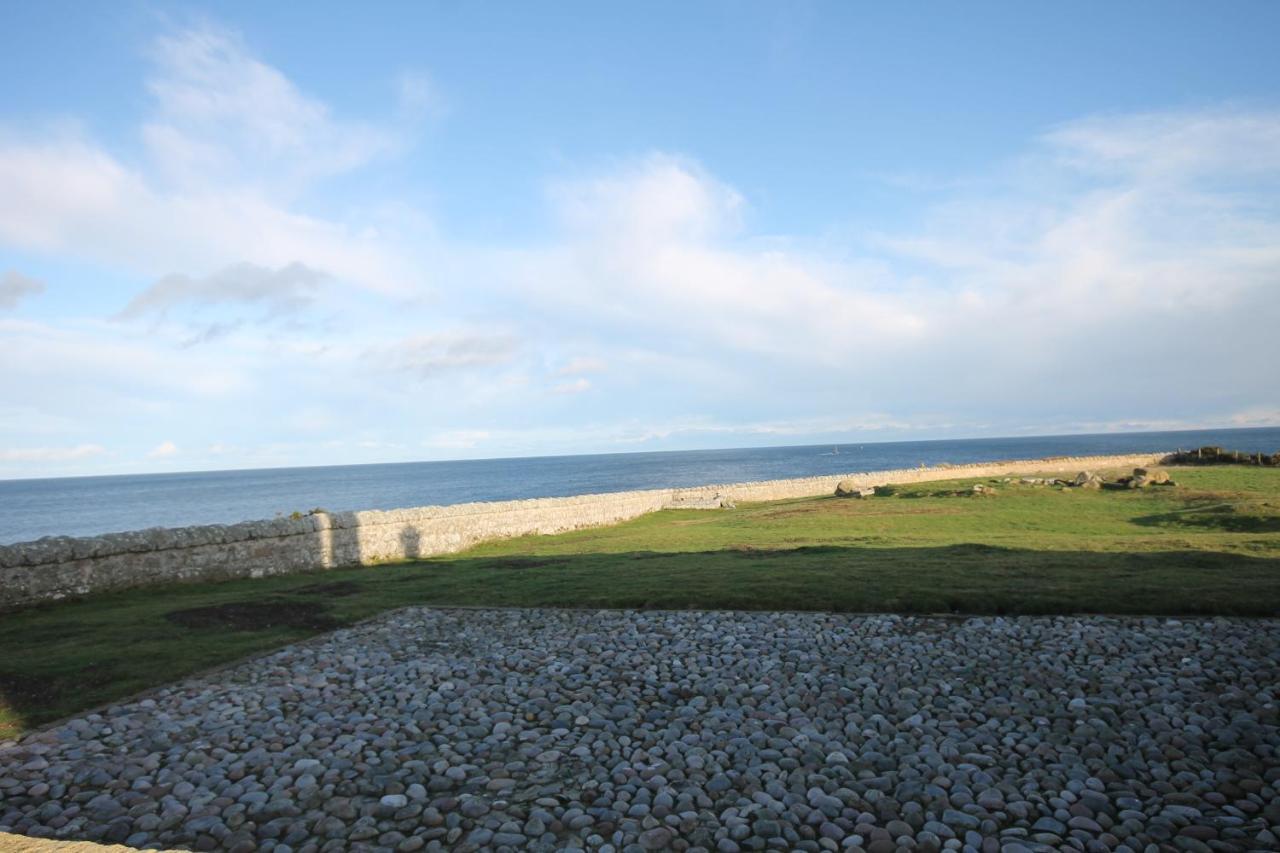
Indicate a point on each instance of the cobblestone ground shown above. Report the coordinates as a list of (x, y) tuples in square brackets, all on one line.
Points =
[(542, 729)]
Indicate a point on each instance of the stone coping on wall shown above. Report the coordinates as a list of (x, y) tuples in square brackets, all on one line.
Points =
[(62, 549), (825, 483)]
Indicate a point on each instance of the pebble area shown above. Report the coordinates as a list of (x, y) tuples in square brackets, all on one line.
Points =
[(432, 729)]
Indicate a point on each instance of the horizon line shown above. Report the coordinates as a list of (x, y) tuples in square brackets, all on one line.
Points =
[(1134, 432)]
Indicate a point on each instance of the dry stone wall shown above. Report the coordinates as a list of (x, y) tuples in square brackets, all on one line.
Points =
[(60, 567), (803, 487)]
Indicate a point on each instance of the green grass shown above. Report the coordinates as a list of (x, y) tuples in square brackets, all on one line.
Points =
[(1211, 545)]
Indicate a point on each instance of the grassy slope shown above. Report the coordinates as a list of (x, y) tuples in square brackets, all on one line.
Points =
[(1211, 545)]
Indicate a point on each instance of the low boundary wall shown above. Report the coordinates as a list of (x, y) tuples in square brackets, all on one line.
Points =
[(59, 567)]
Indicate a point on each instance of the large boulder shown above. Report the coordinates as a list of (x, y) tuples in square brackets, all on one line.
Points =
[(1143, 477), (850, 489), (1087, 480)]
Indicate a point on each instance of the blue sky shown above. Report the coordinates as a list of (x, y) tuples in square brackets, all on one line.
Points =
[(246, 234)]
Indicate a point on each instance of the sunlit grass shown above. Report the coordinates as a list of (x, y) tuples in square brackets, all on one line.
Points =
[(1211, 545)]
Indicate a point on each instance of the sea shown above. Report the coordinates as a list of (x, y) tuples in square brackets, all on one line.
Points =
[(86, 506)]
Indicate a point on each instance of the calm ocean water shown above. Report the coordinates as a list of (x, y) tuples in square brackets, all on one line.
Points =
[(82, 506)]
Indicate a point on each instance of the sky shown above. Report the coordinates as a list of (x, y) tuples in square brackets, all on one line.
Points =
[(251, 235)]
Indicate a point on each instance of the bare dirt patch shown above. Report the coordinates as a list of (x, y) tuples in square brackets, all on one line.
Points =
[(255, 616), (22, 690)]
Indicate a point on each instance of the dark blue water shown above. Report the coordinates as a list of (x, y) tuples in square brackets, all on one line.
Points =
[(82, 506)]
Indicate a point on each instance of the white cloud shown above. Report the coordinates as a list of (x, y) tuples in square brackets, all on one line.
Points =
[(50, 454), (572, 386), (1256, 416), (66, 195), (1035, 283), (221, 114), (430, 355), (1120, 256), (15, 287), (1173, 145), (657, 247), (420, 96), (461, 439), (162, 450), (583, 364), (660, 199), (231, 143), (93, 367), (632, 433)]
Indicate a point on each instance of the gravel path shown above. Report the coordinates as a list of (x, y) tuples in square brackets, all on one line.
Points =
[(466, 729)]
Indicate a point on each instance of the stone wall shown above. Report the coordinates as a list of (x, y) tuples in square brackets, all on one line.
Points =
[(803, 487), (60, 567)]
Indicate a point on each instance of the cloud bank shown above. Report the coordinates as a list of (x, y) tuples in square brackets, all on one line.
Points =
[(1120, 271)]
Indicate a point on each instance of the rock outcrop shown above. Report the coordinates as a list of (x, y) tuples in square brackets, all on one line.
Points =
[(1143, 477), (1087, 480), (849, 489)]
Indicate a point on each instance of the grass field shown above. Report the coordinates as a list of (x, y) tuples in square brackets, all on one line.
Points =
[(1210, 545)]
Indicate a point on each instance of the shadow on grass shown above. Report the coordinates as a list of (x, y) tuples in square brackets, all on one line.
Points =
[(62, 658), (1222, 518)]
